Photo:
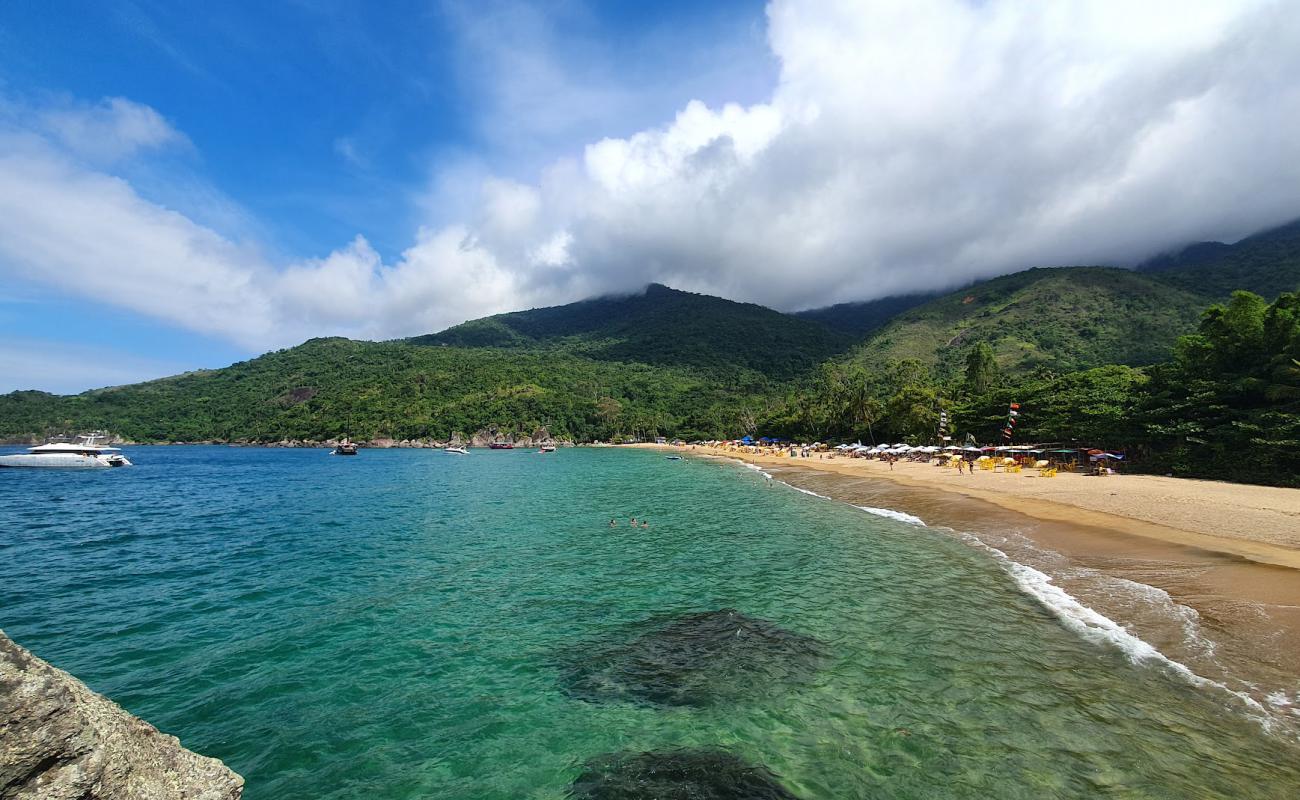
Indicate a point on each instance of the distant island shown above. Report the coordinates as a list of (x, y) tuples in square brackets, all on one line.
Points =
[(1148, 360)]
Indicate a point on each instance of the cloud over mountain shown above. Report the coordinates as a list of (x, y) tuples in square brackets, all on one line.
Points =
[(905, 146)]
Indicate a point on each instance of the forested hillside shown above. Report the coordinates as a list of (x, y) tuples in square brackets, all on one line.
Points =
[(660, 326), (1061, 319), (329, 388)]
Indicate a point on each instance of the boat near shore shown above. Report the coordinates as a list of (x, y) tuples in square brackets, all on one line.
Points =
[(84, 453), (344, 448), (454, 450)]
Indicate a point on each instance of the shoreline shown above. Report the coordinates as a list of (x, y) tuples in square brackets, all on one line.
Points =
[(1226, 608), (1256, 523)]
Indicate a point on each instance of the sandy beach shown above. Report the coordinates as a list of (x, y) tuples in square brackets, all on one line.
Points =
[(1259, 523)]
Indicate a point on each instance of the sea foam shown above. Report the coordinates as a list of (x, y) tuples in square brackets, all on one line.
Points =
[(892, 514), (1096, 627)]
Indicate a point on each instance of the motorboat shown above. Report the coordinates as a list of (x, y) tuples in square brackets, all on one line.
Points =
[(84, 453), (344, 448), (456, 450), (547, 448), (501, 446)]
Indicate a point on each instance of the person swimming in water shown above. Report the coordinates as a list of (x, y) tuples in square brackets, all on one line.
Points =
[(645, 523), (613, 523), (634, 522)]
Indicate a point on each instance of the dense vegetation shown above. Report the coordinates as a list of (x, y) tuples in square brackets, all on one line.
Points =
[(1062, 319), (1095, 356), (659, 326), (1226, 405), (328, 388)]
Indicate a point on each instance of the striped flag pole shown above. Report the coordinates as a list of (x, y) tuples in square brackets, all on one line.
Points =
[(1013, 411)]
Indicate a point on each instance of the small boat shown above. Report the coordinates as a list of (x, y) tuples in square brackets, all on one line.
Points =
[(344, 448), (86, 452), (547, 448), (460, 451), (501, 446), (673, 458)]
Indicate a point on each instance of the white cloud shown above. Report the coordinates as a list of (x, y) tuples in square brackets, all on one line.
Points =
[(905, 146), (114, 129)]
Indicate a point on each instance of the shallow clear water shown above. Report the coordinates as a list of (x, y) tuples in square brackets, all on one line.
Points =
[(398, 624)]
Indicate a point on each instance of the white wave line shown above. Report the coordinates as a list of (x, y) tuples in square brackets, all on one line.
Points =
[(892, 514), (1100, 629)]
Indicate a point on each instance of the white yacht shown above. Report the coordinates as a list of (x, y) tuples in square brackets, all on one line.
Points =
[(460, 451), (86, 452)]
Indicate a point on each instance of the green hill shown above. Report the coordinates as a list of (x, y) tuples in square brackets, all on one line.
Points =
[(328, 388), (659, 326), (1061, 318)]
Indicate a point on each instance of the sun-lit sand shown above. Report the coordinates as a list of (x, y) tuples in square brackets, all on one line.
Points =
[(1260, 523)]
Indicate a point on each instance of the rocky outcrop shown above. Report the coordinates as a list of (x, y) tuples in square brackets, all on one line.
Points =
[(61, 741)]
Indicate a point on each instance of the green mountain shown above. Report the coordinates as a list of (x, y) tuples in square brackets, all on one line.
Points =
[(1061, 318), (328, 388), (1066, 319), (659, 326)]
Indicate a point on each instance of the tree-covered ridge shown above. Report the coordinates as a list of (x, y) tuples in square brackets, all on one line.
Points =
[(328, 388), (1061, 319), (659, 326)]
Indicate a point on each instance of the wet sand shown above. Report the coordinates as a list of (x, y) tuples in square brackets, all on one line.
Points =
[(1207, 573)]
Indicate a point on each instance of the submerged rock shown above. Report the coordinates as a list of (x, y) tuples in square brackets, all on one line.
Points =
[(677, 775), (692, 660), (59, 740)]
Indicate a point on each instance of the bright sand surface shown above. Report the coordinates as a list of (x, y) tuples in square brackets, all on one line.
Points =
[(1206, 572), (1260, 523)]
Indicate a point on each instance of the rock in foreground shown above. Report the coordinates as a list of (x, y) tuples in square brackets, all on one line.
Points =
[(61, 741), (677, 775)]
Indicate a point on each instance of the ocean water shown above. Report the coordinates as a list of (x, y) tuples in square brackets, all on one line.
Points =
[(407, 624)]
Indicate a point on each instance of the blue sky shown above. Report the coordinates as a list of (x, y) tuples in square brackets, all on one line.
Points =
[(310, 123), (184, 186)]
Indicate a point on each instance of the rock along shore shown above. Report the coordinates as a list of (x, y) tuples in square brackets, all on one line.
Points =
[(61, 741)]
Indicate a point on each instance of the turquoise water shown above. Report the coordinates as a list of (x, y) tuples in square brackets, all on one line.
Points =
[(399, 625)]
